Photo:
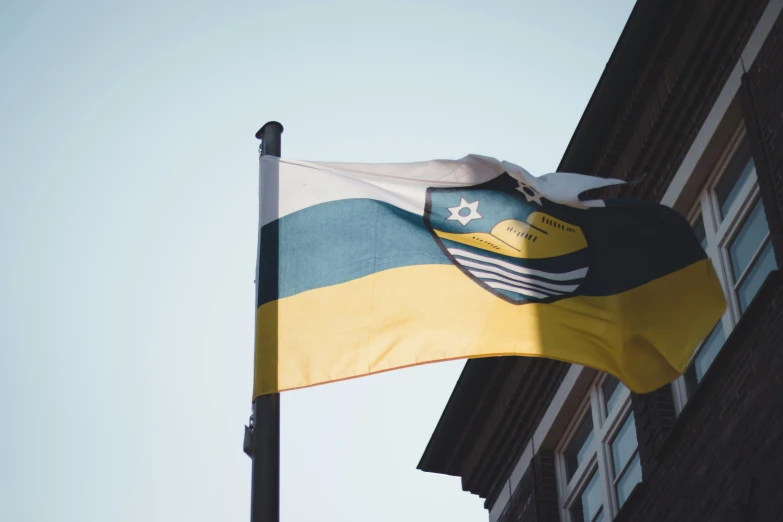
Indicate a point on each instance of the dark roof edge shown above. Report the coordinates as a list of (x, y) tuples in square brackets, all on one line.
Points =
[(466, 395), (614, 86)]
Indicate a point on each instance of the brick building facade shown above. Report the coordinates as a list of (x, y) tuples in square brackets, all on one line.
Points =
[(693, 97)]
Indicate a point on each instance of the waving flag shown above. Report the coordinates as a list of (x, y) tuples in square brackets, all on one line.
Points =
[(370, 267)]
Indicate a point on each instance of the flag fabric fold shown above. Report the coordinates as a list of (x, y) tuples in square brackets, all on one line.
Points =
[(364, 268)]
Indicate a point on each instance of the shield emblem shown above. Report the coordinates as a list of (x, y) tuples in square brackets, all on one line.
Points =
[(509, 239)]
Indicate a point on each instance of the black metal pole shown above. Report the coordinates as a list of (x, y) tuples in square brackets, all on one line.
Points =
[(265, 482)]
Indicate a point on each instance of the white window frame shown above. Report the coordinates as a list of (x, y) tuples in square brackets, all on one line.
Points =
[(678, 192), (599, 454), (719, 233)]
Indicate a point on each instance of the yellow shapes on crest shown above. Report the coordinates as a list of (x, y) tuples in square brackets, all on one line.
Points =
[(481, 240), (541, 236)]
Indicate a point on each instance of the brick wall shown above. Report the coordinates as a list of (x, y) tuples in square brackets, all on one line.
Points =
[(691, 68), (655, 418), (762, 105), (722, 460), (535, 498)]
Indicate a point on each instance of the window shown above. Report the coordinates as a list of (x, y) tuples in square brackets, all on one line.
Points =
[(579, 447), (589, 508), (625, 459), (729, 221), (598, 459)]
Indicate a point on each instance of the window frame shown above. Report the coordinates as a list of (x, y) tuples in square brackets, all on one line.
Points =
[(606, 427), (719, 233)]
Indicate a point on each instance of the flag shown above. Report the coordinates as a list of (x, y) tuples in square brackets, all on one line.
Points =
[(364, 268)]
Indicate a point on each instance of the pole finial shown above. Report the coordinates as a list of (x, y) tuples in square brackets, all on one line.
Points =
[(269, 126), (270, 135)]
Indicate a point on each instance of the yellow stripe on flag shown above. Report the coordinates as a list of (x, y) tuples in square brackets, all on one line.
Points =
[(427, 313)]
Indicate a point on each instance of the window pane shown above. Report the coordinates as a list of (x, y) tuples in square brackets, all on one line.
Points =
[(588, 505), (734, 178), (624, 444), (577, 450), (631, 477), (748, 240), (763, 265), (709, 350), (612, 388), (701, 233)]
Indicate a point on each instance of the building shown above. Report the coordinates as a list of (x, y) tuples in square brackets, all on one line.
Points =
[(693, 96)]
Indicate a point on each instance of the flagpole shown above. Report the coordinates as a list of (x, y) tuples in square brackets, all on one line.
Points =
[(265, 444)]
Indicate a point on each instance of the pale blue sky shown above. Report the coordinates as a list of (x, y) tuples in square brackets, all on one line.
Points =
[(128, 190)]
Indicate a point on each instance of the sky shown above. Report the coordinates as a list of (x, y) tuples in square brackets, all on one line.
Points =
[(128, 215)]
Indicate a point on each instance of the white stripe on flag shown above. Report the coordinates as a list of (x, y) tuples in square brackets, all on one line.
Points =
[(516, 290), (535, 285), (566, 276), (287, 186)]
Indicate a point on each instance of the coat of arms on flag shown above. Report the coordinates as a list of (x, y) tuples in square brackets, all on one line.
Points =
[(510, 239)]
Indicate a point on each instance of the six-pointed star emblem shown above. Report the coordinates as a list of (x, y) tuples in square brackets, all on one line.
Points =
[(464, 218)]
